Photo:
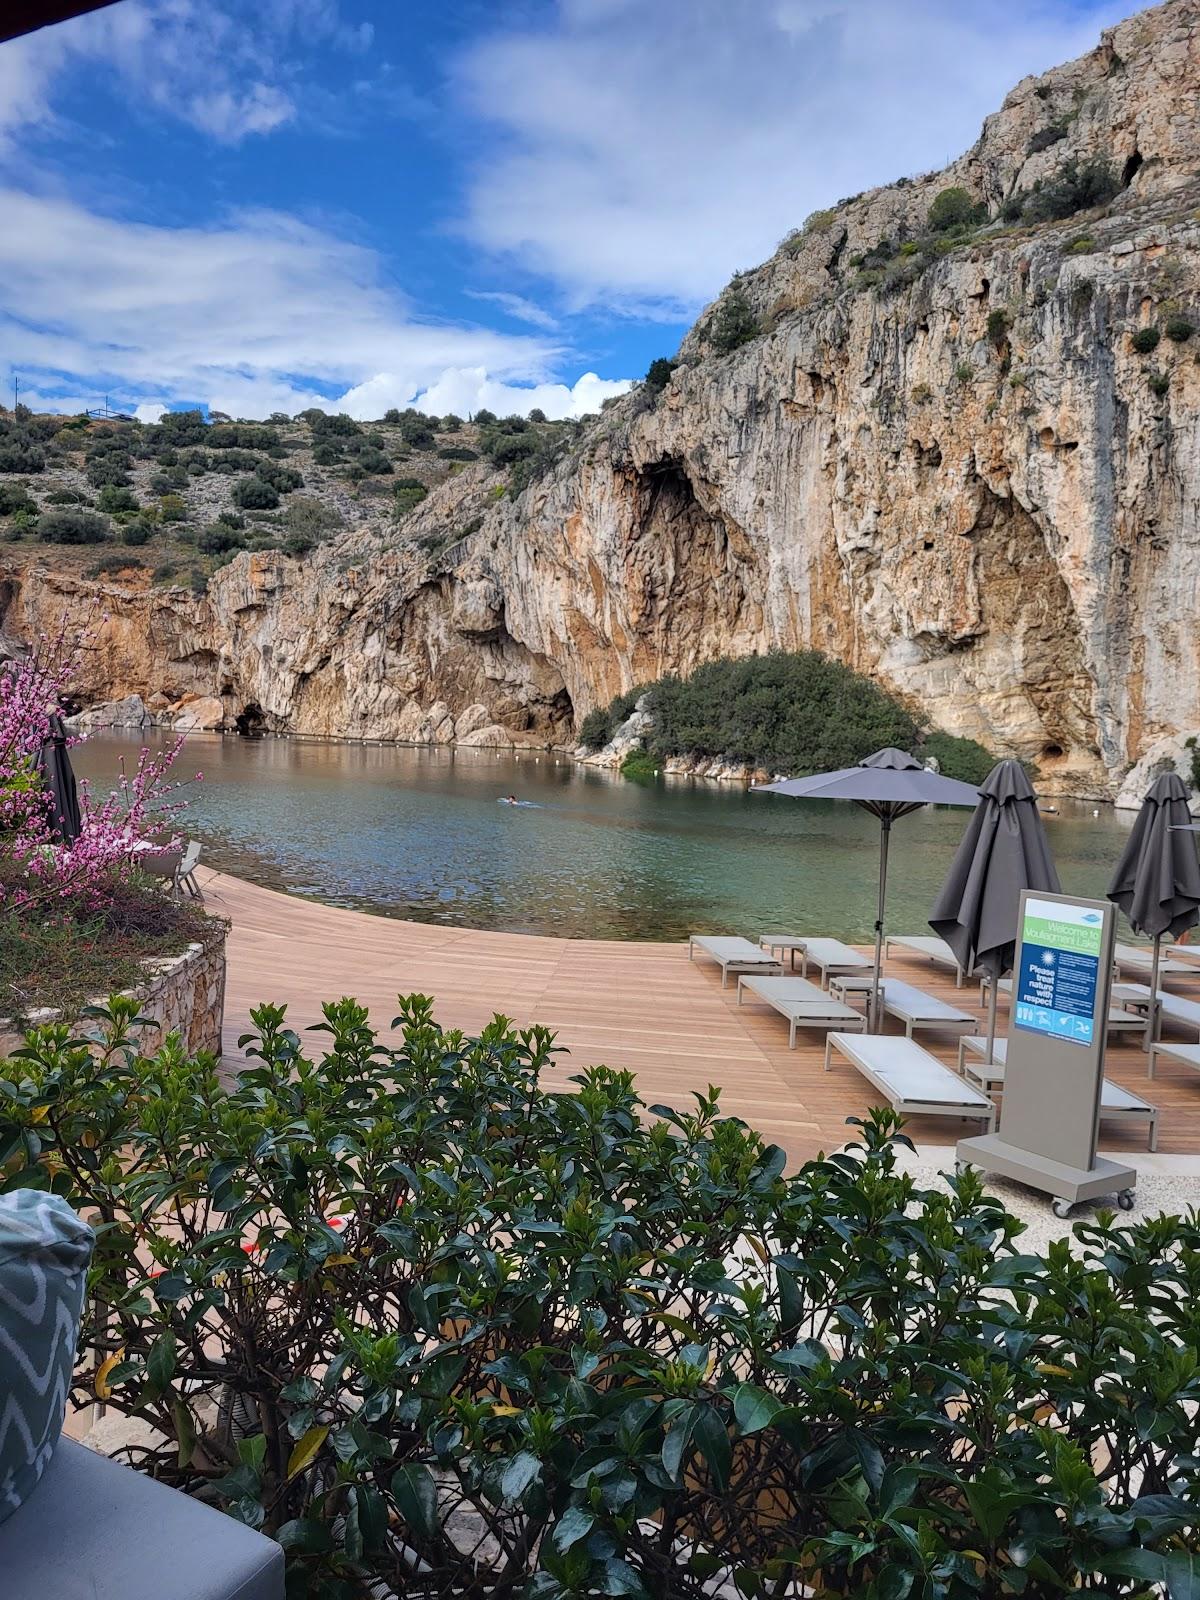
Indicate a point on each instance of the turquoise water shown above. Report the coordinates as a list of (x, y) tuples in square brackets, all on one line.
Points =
[(419, 833)]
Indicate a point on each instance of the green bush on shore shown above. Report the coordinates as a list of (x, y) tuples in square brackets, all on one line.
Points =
[(440, 1331), (790, 713)]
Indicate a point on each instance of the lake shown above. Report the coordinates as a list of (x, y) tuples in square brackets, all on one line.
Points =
[(421, 833)]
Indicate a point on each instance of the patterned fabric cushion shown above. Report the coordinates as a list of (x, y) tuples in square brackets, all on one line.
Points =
[(44, 1252)]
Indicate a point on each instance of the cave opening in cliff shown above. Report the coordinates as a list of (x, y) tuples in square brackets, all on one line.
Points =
[(250, 722), (1131, 168)]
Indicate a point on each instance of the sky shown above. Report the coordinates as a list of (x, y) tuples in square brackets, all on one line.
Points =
[(263, 205)]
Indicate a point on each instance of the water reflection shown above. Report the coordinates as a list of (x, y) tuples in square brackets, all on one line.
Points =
[(420, 833)]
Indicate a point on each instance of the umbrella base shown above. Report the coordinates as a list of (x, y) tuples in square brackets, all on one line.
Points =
[(1068, 1184)]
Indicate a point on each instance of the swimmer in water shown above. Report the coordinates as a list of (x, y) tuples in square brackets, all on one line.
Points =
[(511, 800)]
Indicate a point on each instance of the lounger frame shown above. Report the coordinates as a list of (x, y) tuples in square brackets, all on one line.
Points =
[(825, 1012), (821, 953), (750, 959), (977, 1109), (989, 1075), (900, 1000), (930, 948)]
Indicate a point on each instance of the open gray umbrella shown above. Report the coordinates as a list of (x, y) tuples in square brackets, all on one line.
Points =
[(58, 778), (889, 784), (1003, 851), (1157, 880)]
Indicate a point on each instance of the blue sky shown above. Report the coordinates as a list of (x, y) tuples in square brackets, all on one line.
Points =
[(267, 204)]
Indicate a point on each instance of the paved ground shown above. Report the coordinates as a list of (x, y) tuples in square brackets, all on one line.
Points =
[(642, 1006)]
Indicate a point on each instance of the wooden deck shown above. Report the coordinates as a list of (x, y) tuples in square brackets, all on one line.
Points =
[(641, 1006)]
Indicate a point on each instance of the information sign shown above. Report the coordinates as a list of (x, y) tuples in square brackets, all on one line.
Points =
[(1059, 971)]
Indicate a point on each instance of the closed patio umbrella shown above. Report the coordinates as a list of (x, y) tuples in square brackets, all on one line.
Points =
[(888, 784), (1003, 851), (1157, 880), (58, 778)]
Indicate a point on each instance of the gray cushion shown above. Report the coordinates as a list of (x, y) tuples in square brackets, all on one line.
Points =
[(94, 1530), (44, 1253)]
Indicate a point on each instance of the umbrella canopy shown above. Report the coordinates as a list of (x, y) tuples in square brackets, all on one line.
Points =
[(889, 784), (1003, 851), (59, 779), (1157, 880)]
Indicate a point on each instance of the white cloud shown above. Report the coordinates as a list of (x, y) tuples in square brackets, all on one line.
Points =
[(229, 70), (259, 314), (645, 152), (516, 305), (467, 390)]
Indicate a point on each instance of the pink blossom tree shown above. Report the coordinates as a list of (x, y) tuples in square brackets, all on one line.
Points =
[(38, 869)]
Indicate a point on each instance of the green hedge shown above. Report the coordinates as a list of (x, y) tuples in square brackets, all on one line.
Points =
[(435, 1328)]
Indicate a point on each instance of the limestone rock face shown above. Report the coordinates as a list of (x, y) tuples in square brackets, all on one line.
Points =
[(128, 712), (965, 481)]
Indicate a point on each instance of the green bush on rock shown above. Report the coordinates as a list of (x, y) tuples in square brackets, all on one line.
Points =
[(790, 713), (72, 527), (435, 1328), (785, 712), (964, 759)]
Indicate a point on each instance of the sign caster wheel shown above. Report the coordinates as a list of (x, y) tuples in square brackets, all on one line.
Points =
[(1061, 1208), (1125, 1199)]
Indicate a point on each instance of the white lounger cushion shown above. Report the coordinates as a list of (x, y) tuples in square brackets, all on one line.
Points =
[(1170, 1005), (1187, 1055), (730, 949), (1140, 958), (826, 953), (924, 944), (794, 991), (906, 1000), (909, 1075)]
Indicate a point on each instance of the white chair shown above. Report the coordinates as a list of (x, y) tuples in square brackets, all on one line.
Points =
[(185, 873)]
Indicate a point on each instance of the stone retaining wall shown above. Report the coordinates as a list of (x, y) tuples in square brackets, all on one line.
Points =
[(183, 993)]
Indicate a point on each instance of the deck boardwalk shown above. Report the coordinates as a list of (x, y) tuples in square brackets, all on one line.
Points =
[(637, 1005)]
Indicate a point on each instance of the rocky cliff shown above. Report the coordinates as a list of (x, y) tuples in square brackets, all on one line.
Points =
[(956, 459)]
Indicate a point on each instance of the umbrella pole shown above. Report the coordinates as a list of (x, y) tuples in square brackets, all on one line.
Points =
[(873, 1009), (994, 995), (1152, 1009)]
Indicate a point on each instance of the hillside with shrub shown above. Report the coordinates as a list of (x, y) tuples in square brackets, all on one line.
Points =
[(170, 502)]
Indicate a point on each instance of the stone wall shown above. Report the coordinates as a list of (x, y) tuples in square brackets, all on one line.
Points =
[(183, 993)]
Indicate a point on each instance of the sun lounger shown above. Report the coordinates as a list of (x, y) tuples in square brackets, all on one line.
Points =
[(1114, 1100), (916, 1009), (1140, 958), (1185, 1055), (933, 949), (732, 955), (831, 955), (783, 942), (1171, 1008), (909, 1078), (804, 1004)]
